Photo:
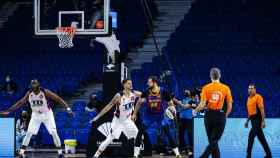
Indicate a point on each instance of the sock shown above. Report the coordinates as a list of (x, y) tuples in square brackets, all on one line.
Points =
[(97, 154), (136, 151), (176, 151), (59, 151)]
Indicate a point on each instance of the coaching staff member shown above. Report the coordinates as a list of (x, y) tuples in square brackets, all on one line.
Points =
[(256, 114), (213, 96)]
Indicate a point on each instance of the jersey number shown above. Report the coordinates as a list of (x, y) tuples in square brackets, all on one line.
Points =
[(37, 103), (215, 97), (128, 106)]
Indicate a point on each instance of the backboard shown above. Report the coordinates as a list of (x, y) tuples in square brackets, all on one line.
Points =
[(91, 16)]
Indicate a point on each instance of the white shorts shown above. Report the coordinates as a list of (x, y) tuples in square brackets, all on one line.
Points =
[(126, 126), (46, 118)]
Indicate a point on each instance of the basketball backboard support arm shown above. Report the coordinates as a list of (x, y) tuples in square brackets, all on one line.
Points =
[(112, 44)]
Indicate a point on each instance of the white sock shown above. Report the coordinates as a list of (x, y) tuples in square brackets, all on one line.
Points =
[(59, 151), (21, 151), (136, 151), (97, 154), (176, 151)]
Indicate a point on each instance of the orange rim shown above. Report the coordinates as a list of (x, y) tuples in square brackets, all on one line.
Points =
[(70, 30)]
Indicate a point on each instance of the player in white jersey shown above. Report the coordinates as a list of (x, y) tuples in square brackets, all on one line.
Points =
[(124, 102), (41, 113)]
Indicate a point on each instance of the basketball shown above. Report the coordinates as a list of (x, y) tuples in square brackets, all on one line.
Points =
[(99, 24)]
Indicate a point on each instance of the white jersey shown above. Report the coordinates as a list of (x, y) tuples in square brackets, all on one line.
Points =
[(38, 102), (126, 106)]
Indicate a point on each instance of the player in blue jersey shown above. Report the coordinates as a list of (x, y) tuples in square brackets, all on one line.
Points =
[(157, 112)]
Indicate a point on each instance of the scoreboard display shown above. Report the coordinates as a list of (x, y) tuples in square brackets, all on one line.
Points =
[(7, 137)]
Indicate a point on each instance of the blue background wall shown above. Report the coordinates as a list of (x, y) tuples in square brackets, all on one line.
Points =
[(234, 140), (7, 137)]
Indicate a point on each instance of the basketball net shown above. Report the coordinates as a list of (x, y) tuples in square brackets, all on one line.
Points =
[(65, 35)]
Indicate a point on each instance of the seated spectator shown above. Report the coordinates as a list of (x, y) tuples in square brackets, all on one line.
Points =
[(9, 86), (94, 104), (21, 128)]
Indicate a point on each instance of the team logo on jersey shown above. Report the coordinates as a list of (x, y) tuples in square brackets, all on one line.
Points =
[(41, 96), (105, 128), (132, 98)]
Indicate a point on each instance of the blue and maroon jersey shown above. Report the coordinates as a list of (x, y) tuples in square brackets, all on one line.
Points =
[(156, 102)]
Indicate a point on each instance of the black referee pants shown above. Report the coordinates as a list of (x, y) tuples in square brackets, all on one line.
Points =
[(215, 122), (256, 130)]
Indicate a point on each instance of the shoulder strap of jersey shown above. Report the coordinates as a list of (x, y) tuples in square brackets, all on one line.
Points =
[(120, 93), (44, 92), (29, 91)]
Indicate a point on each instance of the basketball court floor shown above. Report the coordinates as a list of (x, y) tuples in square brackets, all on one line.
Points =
[(54, 155), (51, 153)]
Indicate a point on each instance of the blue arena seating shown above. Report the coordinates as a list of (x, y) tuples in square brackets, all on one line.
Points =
[(241, 41)]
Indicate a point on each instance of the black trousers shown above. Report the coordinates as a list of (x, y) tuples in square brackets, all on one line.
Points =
[(256, 130), (215, 122), (186, 125)]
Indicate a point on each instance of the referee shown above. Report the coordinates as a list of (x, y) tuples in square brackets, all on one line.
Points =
[(213, 96), (256, 114)]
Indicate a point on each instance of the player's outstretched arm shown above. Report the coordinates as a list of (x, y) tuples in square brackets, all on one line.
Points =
[(185, 106), (58, 99), (107, 108), (138, 93), (137, 107), (17, 105)]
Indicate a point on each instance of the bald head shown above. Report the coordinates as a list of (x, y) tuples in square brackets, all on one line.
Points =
[(215, 73)]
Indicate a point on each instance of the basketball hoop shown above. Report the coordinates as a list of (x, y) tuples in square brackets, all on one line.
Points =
[(65, 36)]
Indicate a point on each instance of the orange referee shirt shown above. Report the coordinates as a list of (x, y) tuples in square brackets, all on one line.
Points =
[(215, 94), (253, 103)]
